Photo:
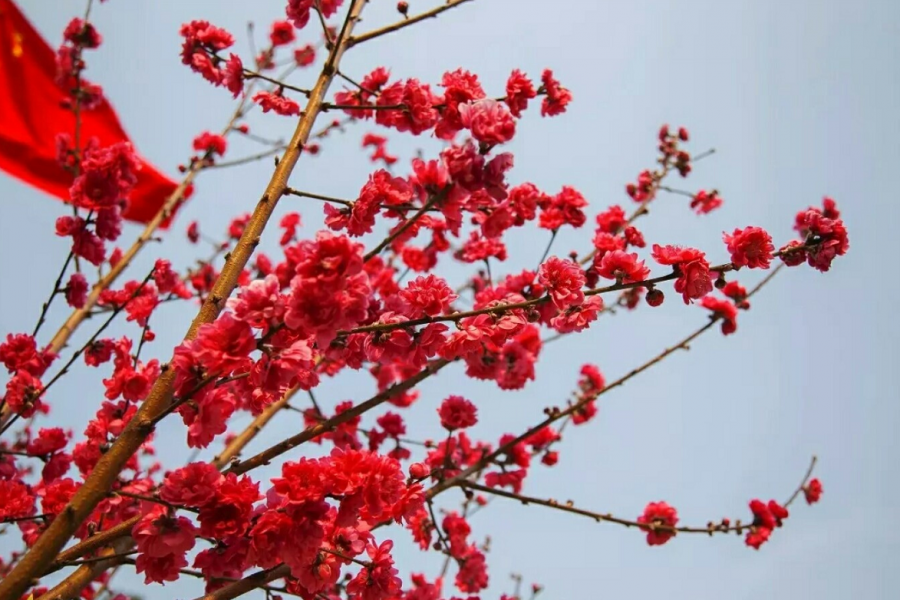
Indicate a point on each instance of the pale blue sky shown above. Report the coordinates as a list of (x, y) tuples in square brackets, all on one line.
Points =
[(799, 98)]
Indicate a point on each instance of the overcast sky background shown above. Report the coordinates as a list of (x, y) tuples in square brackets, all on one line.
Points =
[(799, 99)]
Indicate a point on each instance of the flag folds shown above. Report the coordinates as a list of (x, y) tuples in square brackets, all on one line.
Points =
[(32, 114)]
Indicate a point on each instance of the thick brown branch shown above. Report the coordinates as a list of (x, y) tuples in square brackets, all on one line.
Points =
[(72, 585), (96, 541), (247, 584)]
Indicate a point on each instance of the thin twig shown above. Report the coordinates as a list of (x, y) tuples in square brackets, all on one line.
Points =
[(365, 37), (400, 230)]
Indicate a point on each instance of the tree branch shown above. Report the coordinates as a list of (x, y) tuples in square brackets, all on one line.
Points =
[(429, 14)]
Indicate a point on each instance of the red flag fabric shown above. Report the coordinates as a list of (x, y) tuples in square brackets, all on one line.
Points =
[(32, 113)]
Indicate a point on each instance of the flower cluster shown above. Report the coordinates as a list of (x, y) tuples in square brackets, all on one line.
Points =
[(824, 237), (766, 517), (79, 35), (295, 525), (659, 519)]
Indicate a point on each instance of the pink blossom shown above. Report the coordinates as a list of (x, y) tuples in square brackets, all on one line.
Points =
[(564, 281), (490, 121)]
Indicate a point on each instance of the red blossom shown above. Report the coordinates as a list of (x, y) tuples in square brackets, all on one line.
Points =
[(56, 495), (655, 297), (478, 249), (158, 534), (736, 292), (658, 514), (694, 278), (557, 98), (298, 10), (201, 40), (489, 121), (16, 500), (193, 232), (418, 114), (381, 191), (23, 391), (193, 485), (472, 576), (519, 90), (705, 202), (378, 580), (223, 346), (564, 281), (380, 153), (813, 491), (281, 33), (766, 517), (233, 75), (228, 514), (107, 177), (76, 290), (428, 296), (305, 55), (578, 318), (80, 33), (826, 237), (277, 103), (751, 247), (211, 143), (48, 441), (564, 209), (457, 413), (289, 222), (623, 267), (460, 88), (722, 309), (645, 188)]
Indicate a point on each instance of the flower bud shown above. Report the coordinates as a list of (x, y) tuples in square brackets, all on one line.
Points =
[(418, 470)]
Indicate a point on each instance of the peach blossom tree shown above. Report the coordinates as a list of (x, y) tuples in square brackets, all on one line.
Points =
[(356, 286)]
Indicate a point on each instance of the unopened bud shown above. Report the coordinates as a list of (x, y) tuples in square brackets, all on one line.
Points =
[(655, 297), (418, 471), (403, 8)]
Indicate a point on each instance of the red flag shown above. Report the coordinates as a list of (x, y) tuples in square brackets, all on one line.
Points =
[(32, 113)]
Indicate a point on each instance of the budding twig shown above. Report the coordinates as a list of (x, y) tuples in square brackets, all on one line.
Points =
[(365, 37)]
